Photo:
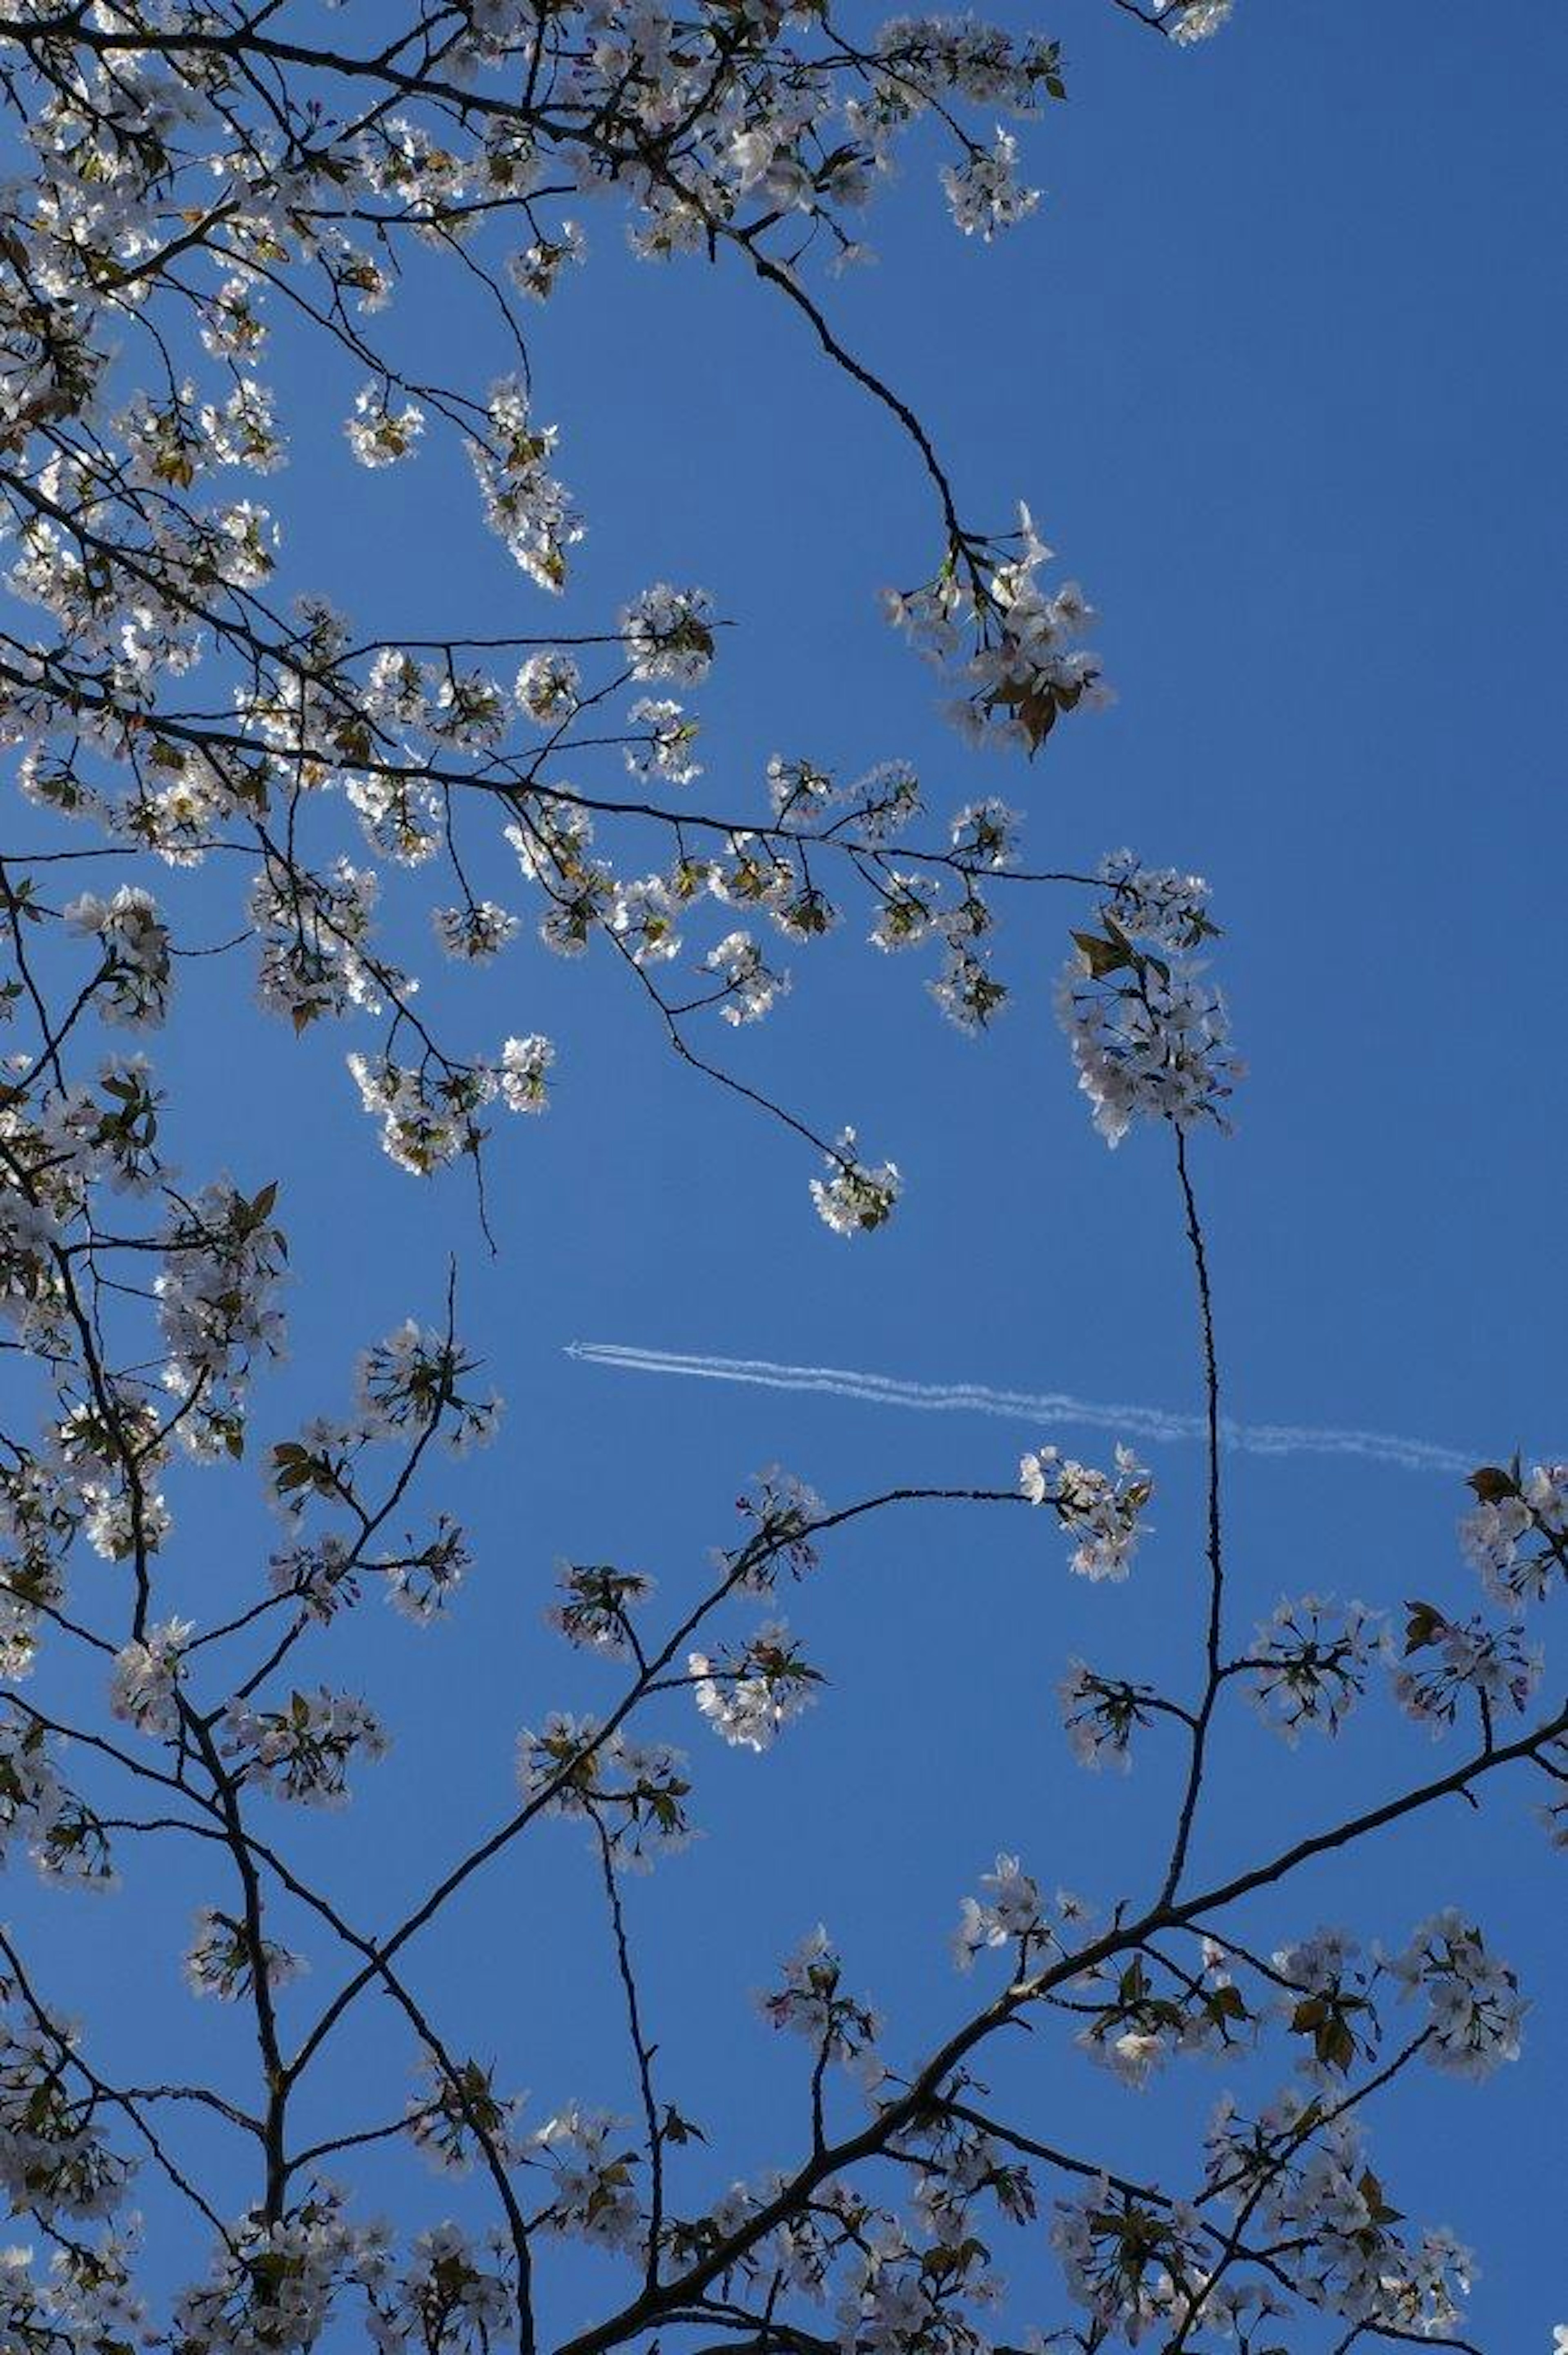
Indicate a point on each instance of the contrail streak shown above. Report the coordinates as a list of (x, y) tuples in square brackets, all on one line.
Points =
[(1150, 1422)]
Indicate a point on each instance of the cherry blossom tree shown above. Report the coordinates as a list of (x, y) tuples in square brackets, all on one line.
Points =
[(185, 183)]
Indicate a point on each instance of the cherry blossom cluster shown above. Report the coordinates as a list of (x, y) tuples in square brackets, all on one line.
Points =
[(218, 1310), (1150, 1036), (37, 1524), (1310, 1663), (1101, 1714), (903, 2295), (116, 1459), (748, 985), (55, 2157), (811, 2000), (1157, 906), (136, 979), (222, 1959), (1449, 1664), (635, 1793), (1013, 1912), (144, 1685), (454, 2104), (1306, 2181), (1193, 20), (856, 1197), (1517, 1536), (597, 1603), (65, 1837), (527, 508), (985, 621), (966, 2166), (1099, 1510), (303, 1750), (1474, 2010), (1150, 2013), (1126, 2258), (85, 2301), (416, 1380), (274, 2283), (323, 1573), (452, 2292), (784, 1514), (593, 2194), (428, 1110), (1329, 2002), (415, 1385), (983, 191), (749, 1692), (309, 928)]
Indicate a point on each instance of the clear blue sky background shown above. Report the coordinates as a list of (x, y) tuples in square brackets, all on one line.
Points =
[(1279, 367)]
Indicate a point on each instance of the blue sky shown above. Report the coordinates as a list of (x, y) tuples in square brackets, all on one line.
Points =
[(1279, 368)]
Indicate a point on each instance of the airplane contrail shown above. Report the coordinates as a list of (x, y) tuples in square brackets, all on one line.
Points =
[(1148, 1422)]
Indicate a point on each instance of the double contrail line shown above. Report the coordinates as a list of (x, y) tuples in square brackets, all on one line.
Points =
[(1144, 1422)]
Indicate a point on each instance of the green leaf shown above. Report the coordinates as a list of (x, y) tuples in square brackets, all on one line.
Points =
[(1102, 956), (1425, 1625)]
